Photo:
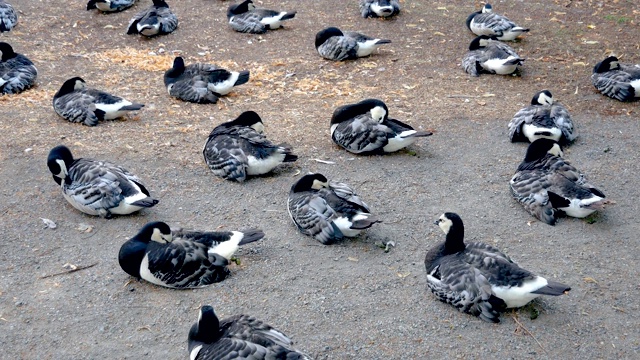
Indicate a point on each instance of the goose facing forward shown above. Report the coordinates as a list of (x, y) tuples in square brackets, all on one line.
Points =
[(17, 72), (379, 8), (246, 18), (157, 19), (333, 44), (327, 210), (201, 83), (486, 22), (240, 337), (617, 80), (365, 128), (239, 148), (547, 186), (479, 279), (97, 187), (80, 104), (182, 259), (488, 55), (544, 118), (8, 16)]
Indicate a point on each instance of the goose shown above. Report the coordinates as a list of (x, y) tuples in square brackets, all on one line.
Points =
[(239, 148), (486, 22), (8, 16), (617, 80), (239, 337), (488, 55), (246, 18), (155, 20), (110, 5), (327, 210), (365, 128), (544, 118), (333, 44), (479, 279), (181, 259), (548, 186), (17, 72), (97, 187), (201, 83), (379, 8), (80, 104)]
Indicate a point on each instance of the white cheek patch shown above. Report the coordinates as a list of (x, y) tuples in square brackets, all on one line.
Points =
[(378, 113)]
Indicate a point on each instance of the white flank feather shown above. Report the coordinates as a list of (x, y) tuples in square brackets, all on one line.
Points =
[(518, 296), (223, 88), (530, 131), (263, 166), (636, 86), (125, 207), (380, 10), (400, 141), (345, 227), (274, 22), (367, 47), (149, 30), (577, 207), (498, 66), (229, 247), (111, 111)]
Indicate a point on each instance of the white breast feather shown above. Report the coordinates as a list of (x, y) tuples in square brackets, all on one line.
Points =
[(147, 275)]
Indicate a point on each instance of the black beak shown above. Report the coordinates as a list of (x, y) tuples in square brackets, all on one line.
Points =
[(436, 222)]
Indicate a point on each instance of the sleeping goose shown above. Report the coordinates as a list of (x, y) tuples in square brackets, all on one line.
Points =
[(155, 20), (110, 5), (246, 18), (201, 83), (546, 185), (488, 55), (8, 16), (486, 22), (365, 128), (616, 80), (80, 104), (239, 148), (544, 118), (17, 72), (239, 337), (97, 187), (333, 44), (477, 278), (327, 210), (379, 8), (181, 259)]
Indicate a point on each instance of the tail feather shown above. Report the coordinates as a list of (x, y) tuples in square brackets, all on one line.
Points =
[(422, 134), (290, 158), (250, 236), (289, 15), (243, 78), (516, 61), (599, 205), (147, 202), (365, 223), (553, 288), (134, 106), (518, 28)]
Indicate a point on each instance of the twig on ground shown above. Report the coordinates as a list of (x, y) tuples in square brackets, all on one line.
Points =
[(515, 318), (70, 271)]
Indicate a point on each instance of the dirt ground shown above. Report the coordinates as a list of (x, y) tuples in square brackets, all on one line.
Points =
[(350, 300)]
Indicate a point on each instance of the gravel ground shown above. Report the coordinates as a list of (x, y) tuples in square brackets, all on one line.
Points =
[(350, 300)]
